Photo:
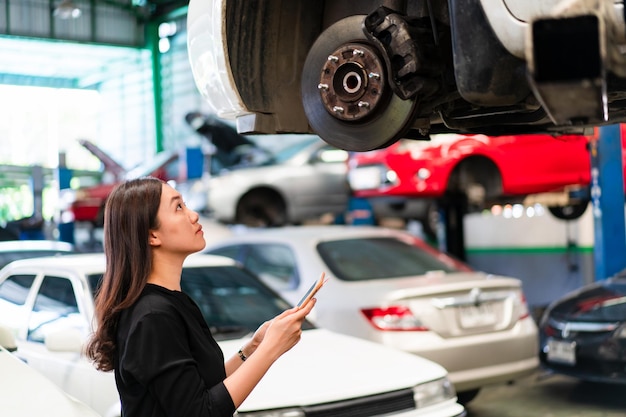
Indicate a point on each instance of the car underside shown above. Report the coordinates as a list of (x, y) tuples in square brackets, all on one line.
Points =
[(363, 75)]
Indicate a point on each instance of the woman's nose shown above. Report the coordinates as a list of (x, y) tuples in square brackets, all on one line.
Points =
[(194, 216)]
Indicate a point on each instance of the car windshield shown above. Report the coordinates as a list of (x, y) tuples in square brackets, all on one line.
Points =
[(364, 259), (234, 302)]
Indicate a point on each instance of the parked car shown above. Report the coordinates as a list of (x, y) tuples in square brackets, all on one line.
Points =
[(48, 305), (408, 178), (86, 204), (24, 392), (299, 182), (389, 287), (229, 149), (12, 250), (363, 74), (583, 333)]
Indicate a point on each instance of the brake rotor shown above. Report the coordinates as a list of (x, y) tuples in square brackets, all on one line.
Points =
[(345, 92)]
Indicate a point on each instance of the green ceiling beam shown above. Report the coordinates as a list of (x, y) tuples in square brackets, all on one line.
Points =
[(152, 40)]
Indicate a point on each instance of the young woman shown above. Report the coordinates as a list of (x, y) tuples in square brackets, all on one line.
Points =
[(150, 333)]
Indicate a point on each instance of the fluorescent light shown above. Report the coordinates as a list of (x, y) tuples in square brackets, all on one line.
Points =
[(66, 9)]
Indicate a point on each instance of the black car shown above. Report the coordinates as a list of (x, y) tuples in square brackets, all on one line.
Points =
[(583, 334)]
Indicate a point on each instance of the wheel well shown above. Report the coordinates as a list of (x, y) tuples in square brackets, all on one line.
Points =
[(264, 192), (476, 170)]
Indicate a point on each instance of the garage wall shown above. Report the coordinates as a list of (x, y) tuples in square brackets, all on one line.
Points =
[(179, 93), (103, 23), (127, 124), (550, 256)]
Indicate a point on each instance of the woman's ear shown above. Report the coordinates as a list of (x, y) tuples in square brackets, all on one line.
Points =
[(153, 238)]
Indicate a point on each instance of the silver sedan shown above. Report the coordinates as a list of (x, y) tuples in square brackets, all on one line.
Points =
[(390, 287), (303, 181)]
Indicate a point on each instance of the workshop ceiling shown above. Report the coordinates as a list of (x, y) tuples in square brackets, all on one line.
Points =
[(60, 64), (54, 63)]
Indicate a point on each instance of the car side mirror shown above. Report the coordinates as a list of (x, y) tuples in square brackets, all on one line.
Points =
[(65, 340), (7, 339)]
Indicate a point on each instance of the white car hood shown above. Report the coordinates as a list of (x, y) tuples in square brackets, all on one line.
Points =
[(26, 393), (326, 366)]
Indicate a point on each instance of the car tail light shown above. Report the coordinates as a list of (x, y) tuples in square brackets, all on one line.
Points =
[(550, 331), (394, 318), (523, 307)]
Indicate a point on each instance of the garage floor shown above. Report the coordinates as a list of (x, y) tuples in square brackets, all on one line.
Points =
[(541, 395)]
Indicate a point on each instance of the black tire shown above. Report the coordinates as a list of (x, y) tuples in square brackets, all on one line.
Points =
[(570, 212), (261, 208), (464, 397)]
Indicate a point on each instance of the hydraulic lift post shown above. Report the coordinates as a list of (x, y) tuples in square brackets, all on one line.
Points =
[(607, 200)]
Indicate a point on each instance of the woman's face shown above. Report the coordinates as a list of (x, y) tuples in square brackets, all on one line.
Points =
[(178, 230)]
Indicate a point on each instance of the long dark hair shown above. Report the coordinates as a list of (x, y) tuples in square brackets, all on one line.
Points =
[(129, 215)]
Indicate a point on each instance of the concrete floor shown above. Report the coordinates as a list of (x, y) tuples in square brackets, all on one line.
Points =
[(543, 395)]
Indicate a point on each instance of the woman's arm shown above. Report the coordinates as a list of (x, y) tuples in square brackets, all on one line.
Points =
[(247, 350), (277, 337)]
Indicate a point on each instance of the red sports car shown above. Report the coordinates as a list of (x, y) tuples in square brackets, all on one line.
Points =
[(405, 179)]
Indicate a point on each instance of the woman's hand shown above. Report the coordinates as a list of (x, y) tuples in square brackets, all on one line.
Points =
[(274, 338), (284, 330), (256, 340)]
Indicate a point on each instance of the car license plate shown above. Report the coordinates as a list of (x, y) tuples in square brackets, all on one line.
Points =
[(477, 315), (561, 351)]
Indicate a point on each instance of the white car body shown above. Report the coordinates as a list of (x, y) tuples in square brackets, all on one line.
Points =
[(310, 183), (24, 392), (365, 74), (474, 353), (323, 368), (12, 250)]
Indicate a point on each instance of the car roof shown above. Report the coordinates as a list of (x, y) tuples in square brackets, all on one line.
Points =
[(31, 245), (89, 263), (315, 232)]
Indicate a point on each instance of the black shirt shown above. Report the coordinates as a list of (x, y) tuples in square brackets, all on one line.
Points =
[(168, 362)]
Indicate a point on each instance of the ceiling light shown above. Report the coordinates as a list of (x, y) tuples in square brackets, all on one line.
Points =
[(66, 9)]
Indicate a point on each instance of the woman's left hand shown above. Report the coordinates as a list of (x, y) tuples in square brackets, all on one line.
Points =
[(258, 337)]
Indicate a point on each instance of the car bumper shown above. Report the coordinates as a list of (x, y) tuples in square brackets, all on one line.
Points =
[(596, 361), (445, 409), (477, 360)]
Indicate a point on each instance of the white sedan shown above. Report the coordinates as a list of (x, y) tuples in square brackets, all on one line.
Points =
[(47, 304), (24, 392), (390, 287), (302, 181)]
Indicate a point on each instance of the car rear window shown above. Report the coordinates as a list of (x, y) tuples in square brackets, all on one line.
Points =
[(375, 258)]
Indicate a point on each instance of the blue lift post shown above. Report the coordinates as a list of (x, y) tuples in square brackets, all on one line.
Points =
[(607, 199), (65, 226)]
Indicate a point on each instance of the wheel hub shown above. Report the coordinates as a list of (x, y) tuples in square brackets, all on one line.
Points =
[(345, 91), (352, 82)]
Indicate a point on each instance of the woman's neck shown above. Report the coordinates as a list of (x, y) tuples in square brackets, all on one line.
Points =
[(166, 273)]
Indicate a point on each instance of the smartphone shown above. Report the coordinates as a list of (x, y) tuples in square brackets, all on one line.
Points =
[(312, 290)]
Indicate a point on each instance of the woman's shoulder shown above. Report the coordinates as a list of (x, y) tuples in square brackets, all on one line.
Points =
[(155, 300)]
